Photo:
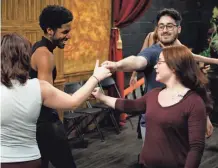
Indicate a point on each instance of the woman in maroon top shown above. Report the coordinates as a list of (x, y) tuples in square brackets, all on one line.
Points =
[(176, 114)]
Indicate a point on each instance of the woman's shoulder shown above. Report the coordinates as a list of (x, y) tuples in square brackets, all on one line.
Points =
[(32, 84), (45, 87), (194, 96), (32, 81), (154, 91), (44, 83), (193, 99)]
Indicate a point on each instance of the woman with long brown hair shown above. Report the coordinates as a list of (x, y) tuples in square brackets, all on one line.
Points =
[(22, 98), (150, 40), (176, 113)]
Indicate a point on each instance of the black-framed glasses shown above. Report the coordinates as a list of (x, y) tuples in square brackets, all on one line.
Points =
[(169, 27)]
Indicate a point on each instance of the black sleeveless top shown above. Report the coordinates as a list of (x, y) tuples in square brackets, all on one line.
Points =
[(46, 114)]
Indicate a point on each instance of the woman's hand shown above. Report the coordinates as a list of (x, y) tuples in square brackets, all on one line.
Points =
[(101, 72), (97, 93), (209, 128), (109, 101)]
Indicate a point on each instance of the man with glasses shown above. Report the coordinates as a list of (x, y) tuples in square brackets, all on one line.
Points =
[(168, 28)]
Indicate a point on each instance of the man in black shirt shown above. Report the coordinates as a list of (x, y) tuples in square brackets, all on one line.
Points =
[(55, 21)]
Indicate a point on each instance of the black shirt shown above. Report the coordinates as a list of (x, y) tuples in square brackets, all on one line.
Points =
[(43, 43), (46, 114)]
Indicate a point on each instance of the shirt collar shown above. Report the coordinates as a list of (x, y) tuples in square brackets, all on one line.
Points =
[(48, 44)]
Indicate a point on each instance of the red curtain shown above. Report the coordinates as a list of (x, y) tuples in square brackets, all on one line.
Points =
[(125, 12)]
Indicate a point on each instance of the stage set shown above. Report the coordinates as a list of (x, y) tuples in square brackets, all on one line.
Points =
[(113, 30)]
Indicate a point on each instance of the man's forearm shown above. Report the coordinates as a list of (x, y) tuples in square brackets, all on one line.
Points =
[(129, 64), (203, 59)]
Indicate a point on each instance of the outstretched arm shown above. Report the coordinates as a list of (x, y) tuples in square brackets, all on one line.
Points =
[(201, 58), (149, 40), (109, 101), (126, 105), (129, 64), (57, 99)]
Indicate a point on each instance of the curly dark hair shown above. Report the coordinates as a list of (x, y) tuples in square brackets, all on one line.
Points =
[(15, 59), (53, 16), (169, 12)]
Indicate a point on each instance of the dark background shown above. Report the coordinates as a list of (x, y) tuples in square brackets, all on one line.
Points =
[(196, 16)]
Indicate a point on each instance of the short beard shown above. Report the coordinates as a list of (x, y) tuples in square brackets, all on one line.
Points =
[(170, 42), (56, 42)]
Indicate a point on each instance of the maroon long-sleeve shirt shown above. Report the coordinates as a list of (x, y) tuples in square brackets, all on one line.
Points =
[(175, 135)]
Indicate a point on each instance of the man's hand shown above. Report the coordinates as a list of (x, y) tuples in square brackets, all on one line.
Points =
[(112, 66), (209, 128), (101, 73), (129, 64)]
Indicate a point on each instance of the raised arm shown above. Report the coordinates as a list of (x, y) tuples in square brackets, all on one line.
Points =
[(196, 131), (57, 99), (126, 105), (149, 40), (129, 64), (207, 60)]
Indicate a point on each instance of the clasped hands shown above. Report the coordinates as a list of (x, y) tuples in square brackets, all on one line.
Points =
[(101, 72)]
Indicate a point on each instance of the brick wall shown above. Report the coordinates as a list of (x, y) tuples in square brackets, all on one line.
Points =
[(196, 15)]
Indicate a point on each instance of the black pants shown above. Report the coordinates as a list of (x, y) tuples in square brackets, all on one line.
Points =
[(53, 145)]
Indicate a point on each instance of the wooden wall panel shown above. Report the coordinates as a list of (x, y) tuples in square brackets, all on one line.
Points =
[(22, 16), (90, 33)]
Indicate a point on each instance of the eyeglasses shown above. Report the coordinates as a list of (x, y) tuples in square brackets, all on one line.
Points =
[(169, 27), (160, 62)]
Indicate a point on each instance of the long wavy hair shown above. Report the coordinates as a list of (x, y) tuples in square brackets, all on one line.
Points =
[(180, 59), (15, 59)]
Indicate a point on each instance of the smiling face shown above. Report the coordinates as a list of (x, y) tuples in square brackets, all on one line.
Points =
[(164, 73), (167, 30), (61, 35)]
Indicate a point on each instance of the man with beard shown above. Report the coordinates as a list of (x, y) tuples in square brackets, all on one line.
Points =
[(168, 28), (55, 21)]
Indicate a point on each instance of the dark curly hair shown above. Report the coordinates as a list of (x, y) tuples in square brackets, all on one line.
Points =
[(53, 16), (15, 59), (169, 12)]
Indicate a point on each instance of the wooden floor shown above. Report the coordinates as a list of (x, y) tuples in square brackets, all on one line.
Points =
[(117, 151), (121, 151)]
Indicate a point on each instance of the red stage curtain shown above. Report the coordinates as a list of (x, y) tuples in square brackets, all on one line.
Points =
[(125, 12)]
